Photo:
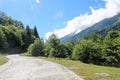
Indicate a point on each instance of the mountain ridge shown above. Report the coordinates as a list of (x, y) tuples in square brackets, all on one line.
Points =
[(96, 28)]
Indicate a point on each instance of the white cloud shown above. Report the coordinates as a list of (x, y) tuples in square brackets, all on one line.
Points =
[(37, 1), (81, 22)]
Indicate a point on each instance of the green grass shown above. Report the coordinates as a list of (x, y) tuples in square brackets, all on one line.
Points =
[(88, 71), (3, 59)]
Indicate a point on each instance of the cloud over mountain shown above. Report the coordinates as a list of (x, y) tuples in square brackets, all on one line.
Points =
[(111, 8)]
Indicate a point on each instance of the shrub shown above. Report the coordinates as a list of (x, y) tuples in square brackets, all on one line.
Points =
[(37, 48)]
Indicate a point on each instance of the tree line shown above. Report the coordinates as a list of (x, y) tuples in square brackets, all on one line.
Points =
[(13, 34), (93, 49)]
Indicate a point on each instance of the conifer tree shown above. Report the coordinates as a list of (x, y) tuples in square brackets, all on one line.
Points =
[(35, 32)]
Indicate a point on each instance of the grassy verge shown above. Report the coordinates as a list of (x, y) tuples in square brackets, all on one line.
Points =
[(3, 59), (88, 71)]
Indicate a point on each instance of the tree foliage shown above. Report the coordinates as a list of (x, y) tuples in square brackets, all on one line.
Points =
[(37, 48), (2, 39), (55, 48), (112, 48), (53, 42), (94, 49), (35, 32), (13, 34), (100, 51)]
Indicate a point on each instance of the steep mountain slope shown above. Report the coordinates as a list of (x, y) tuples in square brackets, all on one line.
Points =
[(99, 27), (115, 26)]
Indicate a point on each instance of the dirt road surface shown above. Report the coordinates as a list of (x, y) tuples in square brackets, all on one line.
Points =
[(27, 68)]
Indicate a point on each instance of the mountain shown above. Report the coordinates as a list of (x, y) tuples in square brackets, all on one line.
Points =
[(101, 27), (115, 26), (67, 37)]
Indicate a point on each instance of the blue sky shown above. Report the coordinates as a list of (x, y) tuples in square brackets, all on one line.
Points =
[(58, 16)]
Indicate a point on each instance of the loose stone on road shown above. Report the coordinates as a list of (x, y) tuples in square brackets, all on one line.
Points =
[(27, 68)]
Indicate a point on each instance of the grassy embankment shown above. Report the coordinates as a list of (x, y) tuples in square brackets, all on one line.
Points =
[(89, 71), (3, 59)]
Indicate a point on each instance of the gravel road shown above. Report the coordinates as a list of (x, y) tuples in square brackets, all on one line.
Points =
[(27, 68)]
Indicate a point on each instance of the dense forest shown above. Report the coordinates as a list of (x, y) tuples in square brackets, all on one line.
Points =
[(92, 49), (13, 34)]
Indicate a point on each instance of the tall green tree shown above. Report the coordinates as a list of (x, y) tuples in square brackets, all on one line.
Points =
[(35, 32), (28, 30), (53, 42), (29, 37)]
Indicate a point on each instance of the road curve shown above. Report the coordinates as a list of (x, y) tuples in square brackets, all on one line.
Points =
[(27, 68)]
